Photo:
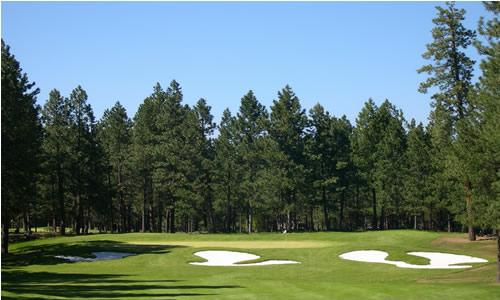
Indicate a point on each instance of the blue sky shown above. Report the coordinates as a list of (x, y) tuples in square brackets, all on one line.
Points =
[(335, 53)]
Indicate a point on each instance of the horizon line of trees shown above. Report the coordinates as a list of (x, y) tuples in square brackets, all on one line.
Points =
[(266, 170)]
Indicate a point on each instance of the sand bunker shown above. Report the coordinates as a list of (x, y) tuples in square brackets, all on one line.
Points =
[(98, 256), (437, 260), (231, 259)]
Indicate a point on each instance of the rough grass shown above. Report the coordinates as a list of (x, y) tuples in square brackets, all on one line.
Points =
[(161, 269)]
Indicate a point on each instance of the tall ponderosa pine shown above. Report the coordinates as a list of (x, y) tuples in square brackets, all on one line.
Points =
[(168, 152), (451, 72), (56, 146), (328, 159), (485, 149), (388, 164), (143, 143), (319, 156), (251, 126), (227, 173), (82, 123), (21, 141), (416, 173), (364, 141), (204, 186), (115, 137), (287, 128)]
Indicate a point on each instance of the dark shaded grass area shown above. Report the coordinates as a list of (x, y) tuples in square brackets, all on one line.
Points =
[(44, 255), (98, 286), (34, 285)]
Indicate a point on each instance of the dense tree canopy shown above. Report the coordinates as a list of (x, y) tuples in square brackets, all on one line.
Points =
[(21, 142)]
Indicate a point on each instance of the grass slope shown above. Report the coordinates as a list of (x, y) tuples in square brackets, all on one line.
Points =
[(161, 269)]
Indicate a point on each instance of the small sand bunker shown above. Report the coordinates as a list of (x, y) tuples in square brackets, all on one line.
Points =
[(98, 256), (437, 260), (231, 259)]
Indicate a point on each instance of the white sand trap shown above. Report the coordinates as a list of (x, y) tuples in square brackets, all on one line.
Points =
[(231, 259), (98, 256), (437, 260)]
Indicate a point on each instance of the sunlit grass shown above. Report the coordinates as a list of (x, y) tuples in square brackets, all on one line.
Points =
[(161, 269)]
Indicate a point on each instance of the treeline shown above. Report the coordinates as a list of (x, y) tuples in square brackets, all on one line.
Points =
[(172, 168)]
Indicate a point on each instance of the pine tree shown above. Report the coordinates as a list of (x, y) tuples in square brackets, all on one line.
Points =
[(328, 155), (484, 150), (251, 126), (287, 128), (452, 74), (169, 180), (204, 187), (389, 159), (341, 132), (81, 123), (364, 141), (115, 138), (227, 173), (143, 143), (417, 170), (21, 142), (56, 145), (319, 157)]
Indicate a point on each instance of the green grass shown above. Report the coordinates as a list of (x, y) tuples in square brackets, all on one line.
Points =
[(161, 269)]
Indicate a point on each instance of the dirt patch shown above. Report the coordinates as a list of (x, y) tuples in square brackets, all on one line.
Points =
[(459, 240), (244, 244)]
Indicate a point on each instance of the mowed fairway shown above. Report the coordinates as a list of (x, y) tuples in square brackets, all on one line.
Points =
[(161, 268)]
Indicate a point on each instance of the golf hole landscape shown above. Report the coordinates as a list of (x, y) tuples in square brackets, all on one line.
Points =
[(295, 150), (326, 265)]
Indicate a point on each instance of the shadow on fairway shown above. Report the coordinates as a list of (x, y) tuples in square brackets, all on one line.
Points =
[(44, 255), (27, 285)]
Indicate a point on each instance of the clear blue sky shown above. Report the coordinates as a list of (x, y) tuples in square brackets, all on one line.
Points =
[(335, 53)]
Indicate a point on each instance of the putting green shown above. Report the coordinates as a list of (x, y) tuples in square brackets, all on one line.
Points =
[(161, 268), (244, 244)]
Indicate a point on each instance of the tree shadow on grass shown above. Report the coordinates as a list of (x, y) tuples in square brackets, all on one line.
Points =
[(36, 285), (45, 254)]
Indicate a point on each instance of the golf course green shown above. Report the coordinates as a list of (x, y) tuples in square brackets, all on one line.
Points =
[(161, 270)]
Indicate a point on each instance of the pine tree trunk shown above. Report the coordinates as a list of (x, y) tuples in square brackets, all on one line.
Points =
[(5, 234), (228, 207), (415, 222), (78, 220), (498, 255), (325, 209), (468, 202), (374, 203), (150, 216), (341, 217), (168, 223), (54, 224), (122, 213), (26, 226), (449, 222), (144, 197), (249, 221), (430, 218), (172, 220), (60, 197), (382, 218), (311, 217)]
